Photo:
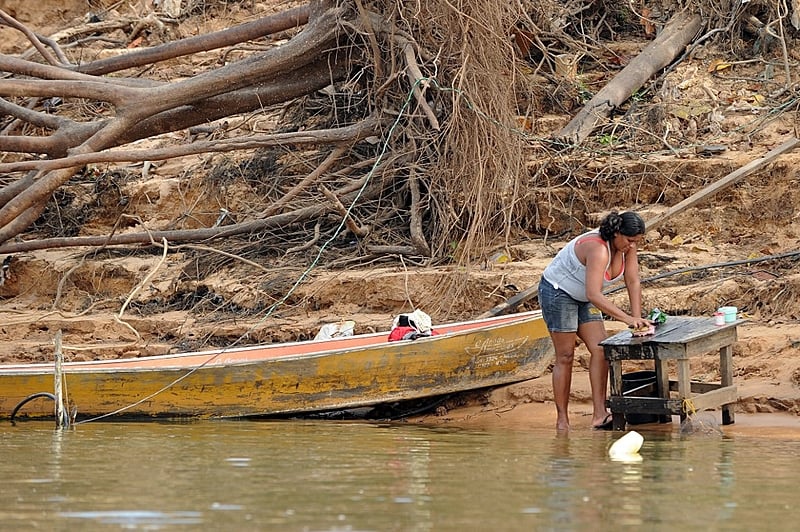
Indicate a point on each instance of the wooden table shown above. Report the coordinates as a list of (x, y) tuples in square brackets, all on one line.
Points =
[(679, 339)]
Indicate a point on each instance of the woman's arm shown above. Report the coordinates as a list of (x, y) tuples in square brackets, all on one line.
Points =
[(596, 257), (632, 281)]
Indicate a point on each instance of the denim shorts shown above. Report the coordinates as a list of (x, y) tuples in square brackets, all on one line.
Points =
[(561, 312)]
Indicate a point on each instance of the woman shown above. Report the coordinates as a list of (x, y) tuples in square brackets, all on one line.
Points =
[(573, 304)]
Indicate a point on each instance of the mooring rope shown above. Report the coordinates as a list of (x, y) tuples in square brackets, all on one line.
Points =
[(688, 406)]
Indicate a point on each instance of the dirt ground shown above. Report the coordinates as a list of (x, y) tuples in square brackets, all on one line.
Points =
[(138, 304)]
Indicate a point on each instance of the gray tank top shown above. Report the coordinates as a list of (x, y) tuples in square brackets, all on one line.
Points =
[(567, 273)]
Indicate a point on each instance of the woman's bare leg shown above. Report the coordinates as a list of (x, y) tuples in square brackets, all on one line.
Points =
[(564, 344), (592, 333)]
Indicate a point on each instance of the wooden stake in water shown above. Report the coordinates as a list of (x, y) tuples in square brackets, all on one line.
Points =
[(62, 419)]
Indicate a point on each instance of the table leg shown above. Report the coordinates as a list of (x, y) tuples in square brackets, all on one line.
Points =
[(684, 387), (726, 373), (662, 384), (615, 384)]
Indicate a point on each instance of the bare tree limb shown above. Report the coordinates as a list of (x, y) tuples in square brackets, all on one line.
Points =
[(417, 79), (342, 210), (70, 89), (305, 182), (37, 70), (53, 44), (55, 145), (10, 21), (32, 117), (23, 209), (352, 133), (11, 190), (202, 43), (393, 250), (721, 184), (415, 227), (73, 34), (308, 244)]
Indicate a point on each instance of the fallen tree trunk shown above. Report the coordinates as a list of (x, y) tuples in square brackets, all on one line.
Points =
[(658, 54), (512, 303)]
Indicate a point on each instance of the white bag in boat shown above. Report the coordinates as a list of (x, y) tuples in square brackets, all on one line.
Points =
[(335, 330)]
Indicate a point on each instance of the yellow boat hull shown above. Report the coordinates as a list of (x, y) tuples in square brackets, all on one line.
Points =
[(298, 377)]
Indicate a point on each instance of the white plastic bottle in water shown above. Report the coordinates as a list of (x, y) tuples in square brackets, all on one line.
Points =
[(626, 446)]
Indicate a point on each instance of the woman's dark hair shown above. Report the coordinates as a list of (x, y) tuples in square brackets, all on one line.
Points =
[(628, 224)]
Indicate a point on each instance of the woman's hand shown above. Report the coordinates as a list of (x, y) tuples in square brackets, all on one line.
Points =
[(639, 323)]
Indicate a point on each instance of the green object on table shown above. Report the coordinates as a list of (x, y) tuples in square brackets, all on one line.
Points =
[(657, 316)]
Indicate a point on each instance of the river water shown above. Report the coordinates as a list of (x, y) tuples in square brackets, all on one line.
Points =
[(356, 476)]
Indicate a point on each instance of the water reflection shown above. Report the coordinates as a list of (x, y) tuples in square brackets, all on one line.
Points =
[(628, 476), (138, 519), (559, 478), (284, 475)]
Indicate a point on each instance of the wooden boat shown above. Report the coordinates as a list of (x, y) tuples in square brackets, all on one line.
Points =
[(298, 377)]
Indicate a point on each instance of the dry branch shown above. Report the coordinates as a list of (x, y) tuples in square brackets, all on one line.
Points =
[(416, 210), (94, 90), (343, 212), (32, 117), (394, 250), (418, 80), (37, 70), (71, 36), (305, 182)]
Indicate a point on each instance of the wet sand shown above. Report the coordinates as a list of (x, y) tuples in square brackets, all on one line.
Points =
[(541, 415)]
